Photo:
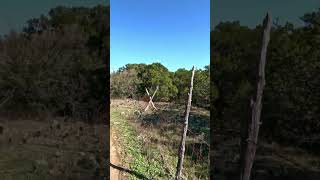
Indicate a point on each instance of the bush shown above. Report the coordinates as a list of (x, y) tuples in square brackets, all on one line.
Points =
[(131, 80), (55, 66), (291, 97)]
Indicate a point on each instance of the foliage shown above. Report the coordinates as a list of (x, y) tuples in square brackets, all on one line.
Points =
[(157, 75), (131, 80), (201, 96), (291, 97), (124, 84), (181, 80), (57, 63)]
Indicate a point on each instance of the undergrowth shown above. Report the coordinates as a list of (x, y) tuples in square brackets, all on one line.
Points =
[(149, 145), (143, 166)]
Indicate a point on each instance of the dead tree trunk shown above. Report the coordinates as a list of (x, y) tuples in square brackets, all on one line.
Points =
[(185, 129), (250, 138), (151, 98)]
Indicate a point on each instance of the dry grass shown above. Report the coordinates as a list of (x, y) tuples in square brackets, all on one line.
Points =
[(160, 133), (273, 161), (50, 149)]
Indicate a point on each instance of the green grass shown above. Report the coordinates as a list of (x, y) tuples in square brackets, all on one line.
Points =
[(133, 146), (152, 149)]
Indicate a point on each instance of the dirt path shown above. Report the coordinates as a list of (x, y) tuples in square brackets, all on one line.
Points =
[(114, 159)]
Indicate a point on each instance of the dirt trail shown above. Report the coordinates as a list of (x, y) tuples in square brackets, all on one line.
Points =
[(114, 159)]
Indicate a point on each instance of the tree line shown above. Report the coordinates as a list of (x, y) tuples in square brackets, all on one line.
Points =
[(131, 80), (291, 102), (57, 63)]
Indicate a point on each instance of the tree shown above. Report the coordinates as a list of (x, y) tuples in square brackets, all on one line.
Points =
[(291, 97), (201, 92), (53, 66), (181, 81), (154, 75), (124, 84)]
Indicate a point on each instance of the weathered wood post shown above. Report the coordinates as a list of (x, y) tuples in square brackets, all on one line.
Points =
[(251, 127), (185, 129), (151, 98)]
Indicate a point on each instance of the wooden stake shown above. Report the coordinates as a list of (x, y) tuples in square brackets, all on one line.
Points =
[(151, 98), (250, 137), (185, 129)]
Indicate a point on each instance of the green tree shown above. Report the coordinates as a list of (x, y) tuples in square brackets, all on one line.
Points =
[(54, 66), (181, 80), (124, 84), (154, 75), (291, 97), (201, 91)]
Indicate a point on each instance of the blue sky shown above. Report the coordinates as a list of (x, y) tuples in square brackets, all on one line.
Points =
[(175, 33), (252, 12), (14, 13)]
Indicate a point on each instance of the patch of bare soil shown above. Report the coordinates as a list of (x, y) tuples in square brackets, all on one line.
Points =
[(115, 174)]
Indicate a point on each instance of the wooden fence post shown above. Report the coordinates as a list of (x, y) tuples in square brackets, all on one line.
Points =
[(185, 129), (250, 138), (151, 98)]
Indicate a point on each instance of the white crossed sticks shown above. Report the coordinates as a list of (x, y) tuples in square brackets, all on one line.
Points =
[(150, 98)]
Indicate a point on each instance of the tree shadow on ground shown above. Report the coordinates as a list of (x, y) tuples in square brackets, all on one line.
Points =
[(134, 173), (197, 151), (172, 116)]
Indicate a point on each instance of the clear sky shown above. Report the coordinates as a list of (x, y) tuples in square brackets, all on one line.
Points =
[(252, 12), (15, 13), (175, 33)]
